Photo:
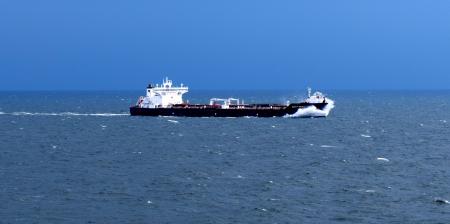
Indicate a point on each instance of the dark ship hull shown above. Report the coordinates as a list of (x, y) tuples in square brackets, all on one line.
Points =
[(251, 110)]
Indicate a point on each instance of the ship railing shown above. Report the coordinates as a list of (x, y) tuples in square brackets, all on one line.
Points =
[(170, 89), (230, 107)]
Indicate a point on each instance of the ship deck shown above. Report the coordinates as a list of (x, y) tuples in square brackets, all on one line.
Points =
[(241, 106), (204, 110)]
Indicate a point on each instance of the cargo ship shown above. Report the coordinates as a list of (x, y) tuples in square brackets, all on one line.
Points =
[(167, 100)]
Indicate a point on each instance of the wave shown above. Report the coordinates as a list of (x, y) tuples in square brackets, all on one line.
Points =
[(441, 201), (383, 159), (328, 146), (312, 111), (63, 114)]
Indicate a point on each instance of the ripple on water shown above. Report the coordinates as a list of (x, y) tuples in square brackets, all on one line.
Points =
[(288, 169)]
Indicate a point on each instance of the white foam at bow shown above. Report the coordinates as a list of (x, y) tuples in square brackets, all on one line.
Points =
[(312, 111)]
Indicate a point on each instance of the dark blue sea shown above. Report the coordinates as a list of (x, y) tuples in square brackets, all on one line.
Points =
[(78, 157)]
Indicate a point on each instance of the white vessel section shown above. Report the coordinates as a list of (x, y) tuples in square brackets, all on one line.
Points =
[(224, 103), (163, 96), (166, 94), (316, 97)]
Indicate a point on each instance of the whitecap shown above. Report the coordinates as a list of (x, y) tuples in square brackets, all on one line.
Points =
[(21, 113), (370, 191), (328, 146), (382, 159), (365, 136), (173, 121), (441, 201)]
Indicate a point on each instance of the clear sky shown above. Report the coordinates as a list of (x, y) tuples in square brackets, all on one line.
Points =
[(230, 44)]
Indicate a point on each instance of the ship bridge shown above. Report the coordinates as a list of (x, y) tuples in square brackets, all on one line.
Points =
[(163, 95)]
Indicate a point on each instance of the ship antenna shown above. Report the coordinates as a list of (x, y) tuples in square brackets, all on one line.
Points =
[(309, 91)]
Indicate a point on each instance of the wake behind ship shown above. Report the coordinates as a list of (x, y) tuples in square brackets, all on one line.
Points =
[(167, 100)]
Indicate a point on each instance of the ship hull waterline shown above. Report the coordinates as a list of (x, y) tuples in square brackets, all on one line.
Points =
[(219, 112)]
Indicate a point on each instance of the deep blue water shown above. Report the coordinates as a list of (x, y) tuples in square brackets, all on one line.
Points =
[(87, 166)]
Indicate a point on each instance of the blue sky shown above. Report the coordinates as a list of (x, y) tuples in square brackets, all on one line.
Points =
[(233, 44)]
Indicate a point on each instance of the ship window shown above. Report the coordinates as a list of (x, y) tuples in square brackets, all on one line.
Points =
[(179, 93), (148, 90)]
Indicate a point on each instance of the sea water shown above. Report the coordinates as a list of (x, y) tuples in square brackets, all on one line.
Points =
[(78, 157)]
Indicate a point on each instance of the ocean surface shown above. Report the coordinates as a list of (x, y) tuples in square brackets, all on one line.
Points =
[(78, 157)]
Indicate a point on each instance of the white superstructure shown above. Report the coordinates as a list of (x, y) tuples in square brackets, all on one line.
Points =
[(317, 97), (164, 95)]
